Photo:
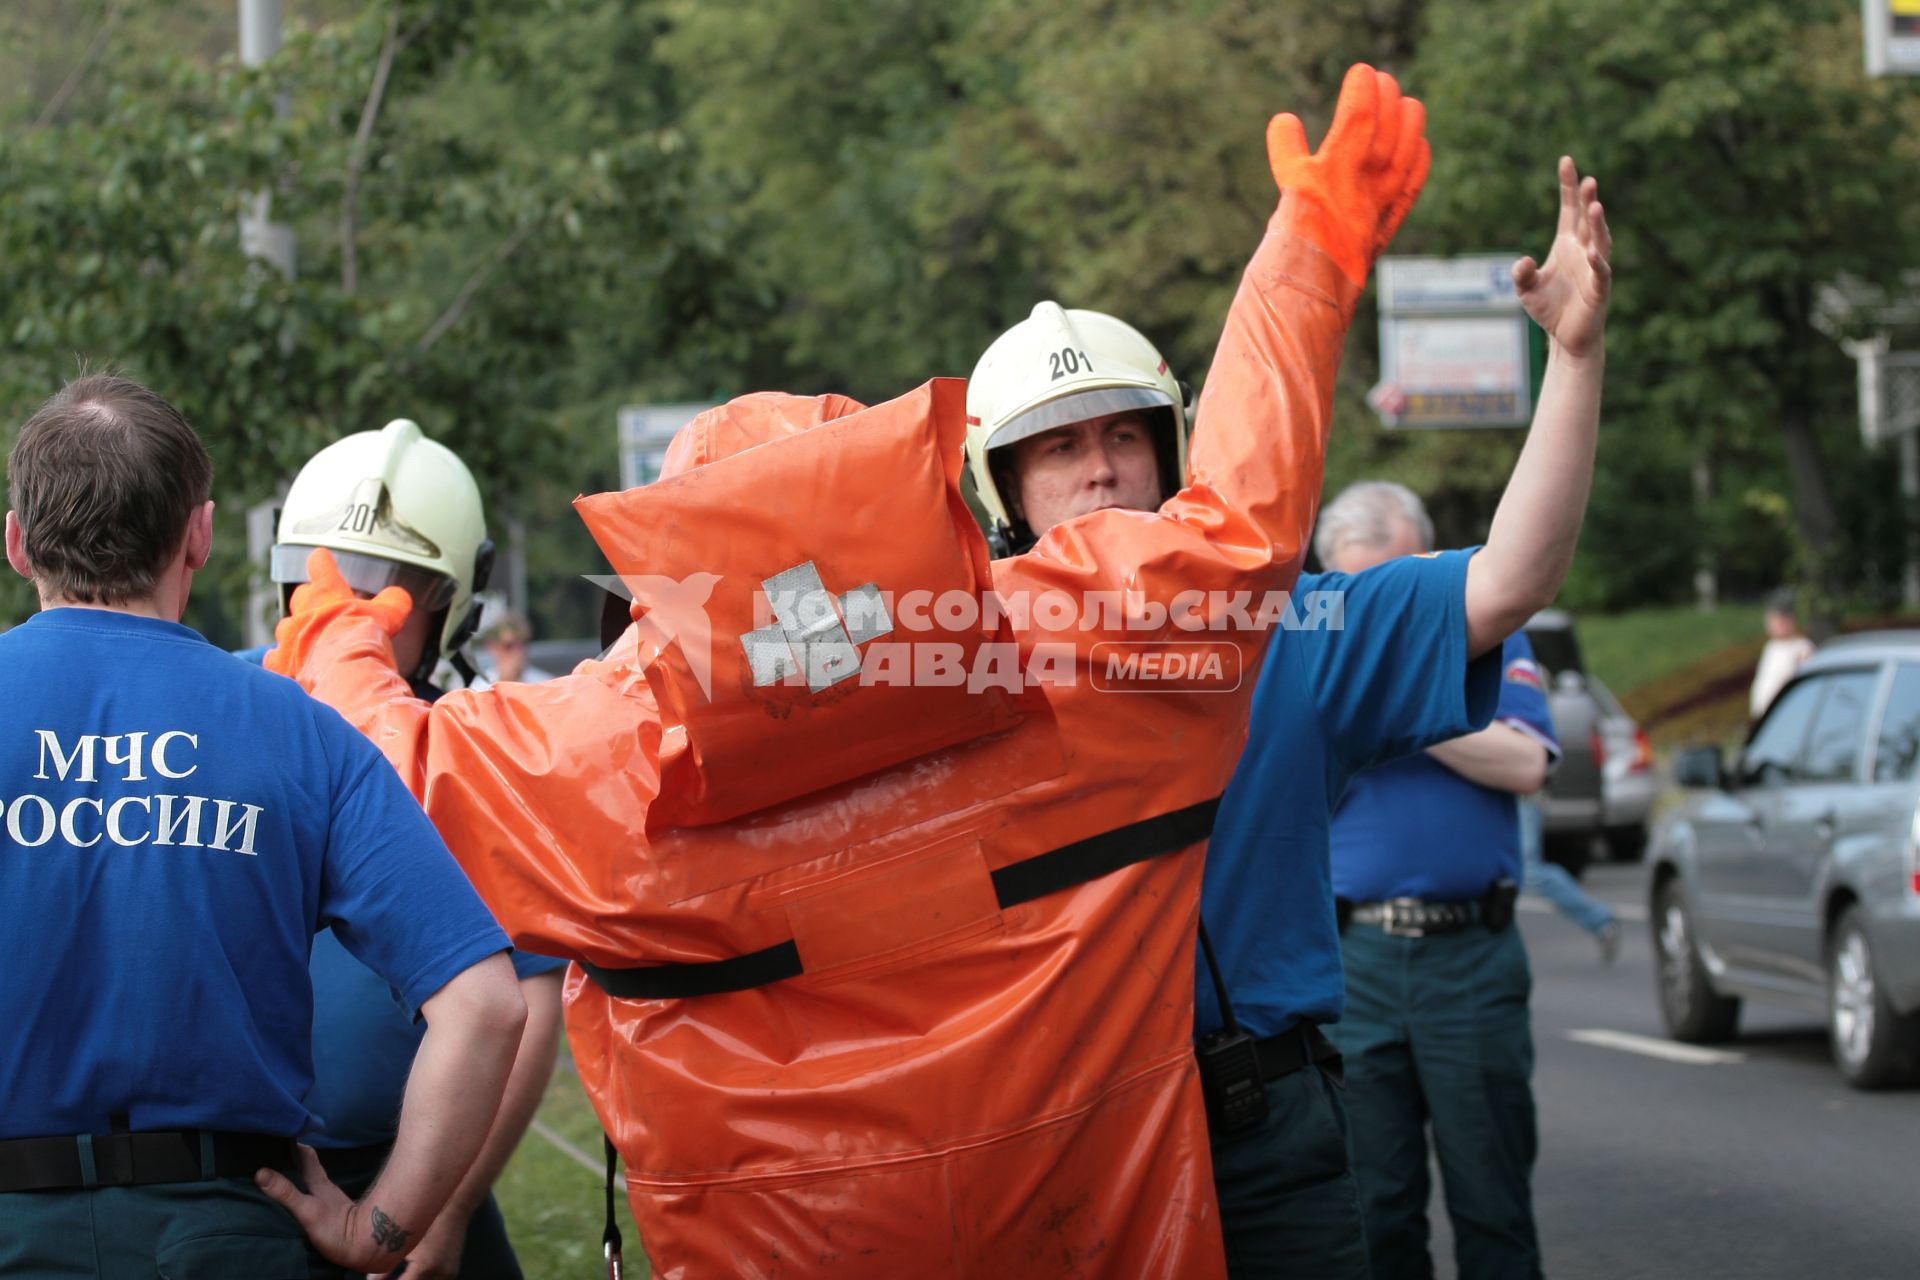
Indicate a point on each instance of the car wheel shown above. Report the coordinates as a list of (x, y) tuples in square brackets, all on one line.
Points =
[(1627, 844), (1873, 1046), (1694, 1012)]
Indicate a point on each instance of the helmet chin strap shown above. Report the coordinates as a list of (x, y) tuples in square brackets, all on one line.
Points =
[(457, 659), (431, 653), (1003, 541)]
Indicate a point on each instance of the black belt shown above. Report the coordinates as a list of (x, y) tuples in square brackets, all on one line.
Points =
[(1416, 918), (1293, 1049), (1018, 882), (1413, 918), (138, 1159)]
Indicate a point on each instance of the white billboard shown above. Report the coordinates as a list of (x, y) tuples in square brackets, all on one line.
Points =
[(1892, 32), (1454, 344)]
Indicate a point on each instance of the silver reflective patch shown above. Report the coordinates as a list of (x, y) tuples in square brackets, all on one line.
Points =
[(769, 656), (866, 613), (806, 612)]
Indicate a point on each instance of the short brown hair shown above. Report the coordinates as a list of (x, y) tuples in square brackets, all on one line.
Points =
[(103, 480)]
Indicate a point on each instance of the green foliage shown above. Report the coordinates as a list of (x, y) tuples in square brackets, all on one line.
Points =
[(1746, 161), (1634, 649), (559, 207), (500, 271), (824, 126)]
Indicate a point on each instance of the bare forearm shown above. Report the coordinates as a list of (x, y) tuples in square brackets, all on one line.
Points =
[(452, 1095), (526, 1086), (1499, 756), (1537, 525)]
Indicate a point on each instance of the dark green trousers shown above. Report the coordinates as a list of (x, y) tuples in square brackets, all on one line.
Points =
[(220, 1229), (1288, 1203), (1438, 1041)]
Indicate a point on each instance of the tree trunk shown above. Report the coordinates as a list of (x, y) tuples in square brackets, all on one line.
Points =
[(1706, 575), (1812, 508)]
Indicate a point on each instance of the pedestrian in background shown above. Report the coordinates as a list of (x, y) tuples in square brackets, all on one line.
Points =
[(505, 643), (1786, 648), (1556, 884)]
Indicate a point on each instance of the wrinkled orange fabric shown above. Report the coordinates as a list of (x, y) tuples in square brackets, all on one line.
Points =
[(951, 1088)]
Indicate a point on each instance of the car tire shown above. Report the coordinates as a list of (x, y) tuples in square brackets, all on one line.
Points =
[(1627, 844), (1873, 1046), (1693, 1011)]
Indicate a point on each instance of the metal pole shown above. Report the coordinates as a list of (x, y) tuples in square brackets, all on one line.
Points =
[(263, 238), (259, 31), (260, 236)]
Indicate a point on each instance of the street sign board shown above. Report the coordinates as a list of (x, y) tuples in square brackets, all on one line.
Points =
[(1456, 371), (645, 432), (1477, 282), (1891, 29), (1454, 344)]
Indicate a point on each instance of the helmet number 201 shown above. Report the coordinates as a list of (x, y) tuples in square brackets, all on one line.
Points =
[(1069, 361), (358, 518)]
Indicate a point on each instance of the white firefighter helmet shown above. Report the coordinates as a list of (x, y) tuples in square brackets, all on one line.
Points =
[(395, 508), (1055, 368)]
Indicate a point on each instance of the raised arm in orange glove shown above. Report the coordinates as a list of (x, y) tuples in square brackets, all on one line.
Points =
[(1350, 196)]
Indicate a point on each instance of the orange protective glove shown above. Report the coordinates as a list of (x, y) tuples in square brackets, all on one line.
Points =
[(1350, 196), (325, 598)]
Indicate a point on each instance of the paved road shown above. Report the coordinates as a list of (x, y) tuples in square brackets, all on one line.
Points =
[(1759, 1163)]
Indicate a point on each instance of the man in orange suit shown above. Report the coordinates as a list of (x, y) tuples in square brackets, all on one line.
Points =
[(884, 915)]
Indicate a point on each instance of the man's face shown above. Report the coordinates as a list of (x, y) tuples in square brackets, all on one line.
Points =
[(411, 644), (1352, 557), (1086, 466)]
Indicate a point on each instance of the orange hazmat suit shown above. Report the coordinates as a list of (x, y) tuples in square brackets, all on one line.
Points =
[(883, 972)]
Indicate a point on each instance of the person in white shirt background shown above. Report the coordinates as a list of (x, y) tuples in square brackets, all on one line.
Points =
[(1787, 647)]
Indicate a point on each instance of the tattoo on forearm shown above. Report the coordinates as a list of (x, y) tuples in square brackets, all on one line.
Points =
[(387, 1233)]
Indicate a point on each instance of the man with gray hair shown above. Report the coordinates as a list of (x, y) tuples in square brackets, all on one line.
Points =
[(1413, 668), (1427, 858), (1372, 513)]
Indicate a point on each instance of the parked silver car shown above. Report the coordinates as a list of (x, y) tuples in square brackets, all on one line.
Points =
[(1604, 785), (1794, 873)]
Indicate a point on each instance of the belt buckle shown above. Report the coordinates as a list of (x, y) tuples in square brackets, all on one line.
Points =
[(1398, 917)]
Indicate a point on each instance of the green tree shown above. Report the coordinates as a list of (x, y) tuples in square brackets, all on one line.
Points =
[(1748, 163), (480, 240)]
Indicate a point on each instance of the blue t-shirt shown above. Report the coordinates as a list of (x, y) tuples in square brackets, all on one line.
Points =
[(364, 1041), (1416, 829), (177, 826), (1391, 679), (364, 1038)]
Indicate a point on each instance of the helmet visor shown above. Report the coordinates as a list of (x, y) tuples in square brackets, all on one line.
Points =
[(1067, 410), (367, 575)]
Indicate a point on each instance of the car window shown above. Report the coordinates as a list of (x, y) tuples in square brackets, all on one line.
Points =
[(1555, 649), (1773, 753), (1609, 705), (1899, 747), (1839, 727)]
